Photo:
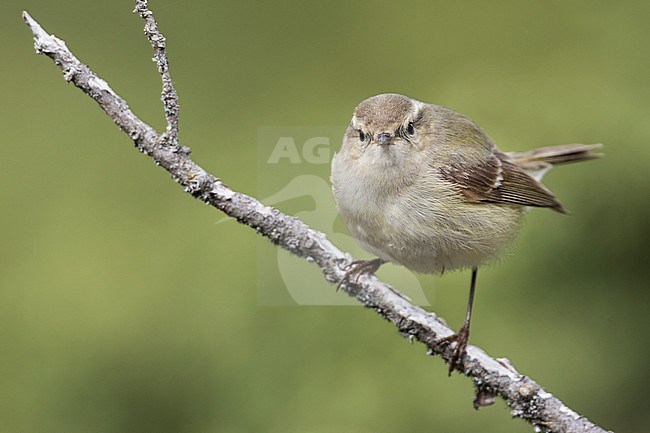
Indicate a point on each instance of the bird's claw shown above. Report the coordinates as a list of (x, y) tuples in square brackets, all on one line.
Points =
[(460, 339), (357, 268)]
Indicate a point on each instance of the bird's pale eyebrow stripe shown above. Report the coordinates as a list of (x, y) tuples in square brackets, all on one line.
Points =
[(354, 122), (420, 113)]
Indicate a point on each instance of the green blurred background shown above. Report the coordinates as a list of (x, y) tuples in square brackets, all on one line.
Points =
[(124, 307)]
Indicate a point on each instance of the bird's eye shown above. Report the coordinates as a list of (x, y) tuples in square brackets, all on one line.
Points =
[(362, 136), (410, 128)]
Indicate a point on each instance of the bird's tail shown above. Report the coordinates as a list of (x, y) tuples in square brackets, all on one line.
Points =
[(538, 161)]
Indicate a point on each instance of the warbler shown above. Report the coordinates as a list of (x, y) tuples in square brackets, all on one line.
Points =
[(422, 186)]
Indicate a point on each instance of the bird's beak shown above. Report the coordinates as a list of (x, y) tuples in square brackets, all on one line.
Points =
[(384, 139)]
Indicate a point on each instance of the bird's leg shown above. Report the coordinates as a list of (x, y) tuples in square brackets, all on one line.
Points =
[(359, 267), (461, 337)]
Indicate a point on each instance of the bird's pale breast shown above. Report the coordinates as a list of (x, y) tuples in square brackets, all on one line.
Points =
[(422, 222)]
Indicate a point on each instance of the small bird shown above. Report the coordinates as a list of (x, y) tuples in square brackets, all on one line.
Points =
[(423, 186)]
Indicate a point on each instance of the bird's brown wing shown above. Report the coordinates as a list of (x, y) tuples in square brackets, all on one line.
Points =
[(496, 180)]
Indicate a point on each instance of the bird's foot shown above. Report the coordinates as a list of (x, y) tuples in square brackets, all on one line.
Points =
[(357, 268), (460, 339)]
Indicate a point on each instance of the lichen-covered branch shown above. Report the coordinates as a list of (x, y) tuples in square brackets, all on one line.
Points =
[(169, 96), (491, 377)]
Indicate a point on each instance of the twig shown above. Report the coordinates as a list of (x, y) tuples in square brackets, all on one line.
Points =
[(169, 97), (491, 377)]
